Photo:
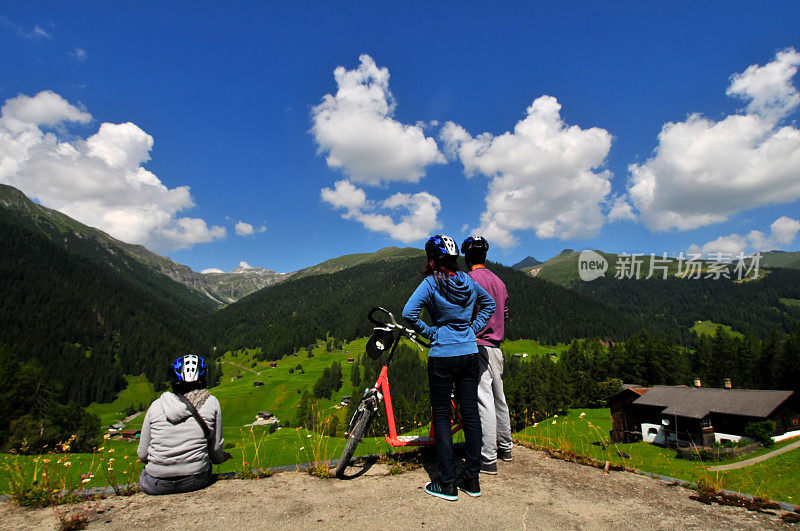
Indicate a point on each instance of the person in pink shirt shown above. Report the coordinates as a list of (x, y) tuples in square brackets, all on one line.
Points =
[(492, 407)]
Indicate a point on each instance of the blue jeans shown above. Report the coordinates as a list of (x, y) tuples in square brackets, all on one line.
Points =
[(154, 485), (445, 373)]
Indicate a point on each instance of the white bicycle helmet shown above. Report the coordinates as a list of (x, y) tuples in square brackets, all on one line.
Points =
[(189, 368)]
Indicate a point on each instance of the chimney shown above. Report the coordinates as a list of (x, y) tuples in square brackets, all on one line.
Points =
[(697, 382), (727, 383)]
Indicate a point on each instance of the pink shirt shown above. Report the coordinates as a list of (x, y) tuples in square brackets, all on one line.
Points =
[(492, 335)]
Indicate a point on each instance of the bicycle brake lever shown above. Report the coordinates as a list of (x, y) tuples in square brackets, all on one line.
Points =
[(413, 338)]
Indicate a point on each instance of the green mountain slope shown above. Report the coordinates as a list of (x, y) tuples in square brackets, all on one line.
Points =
[(563, 268), (96, 245), (286, 317), (86, 311), (350, 260), (788, 259)]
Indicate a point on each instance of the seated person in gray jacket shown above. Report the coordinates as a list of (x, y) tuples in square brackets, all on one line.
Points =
[(176, 449)]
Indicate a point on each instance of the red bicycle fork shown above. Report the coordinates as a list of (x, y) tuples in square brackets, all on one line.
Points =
[(407, 440)]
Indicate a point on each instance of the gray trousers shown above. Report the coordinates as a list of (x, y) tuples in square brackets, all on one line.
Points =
[(492, 407), (153, 485)]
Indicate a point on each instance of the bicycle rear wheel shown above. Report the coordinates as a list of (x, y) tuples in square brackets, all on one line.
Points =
[(357, 431)]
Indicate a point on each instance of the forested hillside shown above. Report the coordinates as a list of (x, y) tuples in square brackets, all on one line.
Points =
[(673, 305), (89, 321), (286, 317)]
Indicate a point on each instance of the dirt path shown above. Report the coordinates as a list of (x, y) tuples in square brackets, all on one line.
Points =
[(533, 492), (754, 460), (241, 367)]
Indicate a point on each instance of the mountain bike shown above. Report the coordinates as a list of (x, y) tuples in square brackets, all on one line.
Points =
[(385, 336)]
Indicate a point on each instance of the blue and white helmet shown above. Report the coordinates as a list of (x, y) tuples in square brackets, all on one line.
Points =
[(441, 245), (189, 368)]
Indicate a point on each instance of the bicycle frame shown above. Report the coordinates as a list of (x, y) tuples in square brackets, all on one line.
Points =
[(382, 386)]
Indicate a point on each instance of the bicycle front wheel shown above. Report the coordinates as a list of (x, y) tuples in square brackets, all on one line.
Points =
[(359, 428)]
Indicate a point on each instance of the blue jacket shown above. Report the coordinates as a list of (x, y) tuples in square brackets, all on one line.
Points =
[(450, 308)]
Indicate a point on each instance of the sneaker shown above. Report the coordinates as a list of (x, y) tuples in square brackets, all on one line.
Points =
[(441, 490), (504, 455), (471, 487), (489, 468)]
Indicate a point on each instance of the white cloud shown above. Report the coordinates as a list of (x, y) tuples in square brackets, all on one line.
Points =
[(99, 180), (542, 175), (782, 233), (356, 130), (245, 265), (39, 32), (769, 88), (417, 220), (246, 229), (783, 230), (731, 245), (345, 195), (211, 270), (36, 33), (621, 210), (704, 171), (79, 54)]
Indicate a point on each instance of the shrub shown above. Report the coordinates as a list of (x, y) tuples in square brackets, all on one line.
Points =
[(762, 431)]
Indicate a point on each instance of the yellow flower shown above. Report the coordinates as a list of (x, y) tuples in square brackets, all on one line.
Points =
[(106, 436), (111, 450)]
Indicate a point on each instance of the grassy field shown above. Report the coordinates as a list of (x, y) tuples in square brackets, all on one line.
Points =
[(710, 328), (776, 478), (250, 446), (254, 447), (138, 394), (791, 302), (527, 346)]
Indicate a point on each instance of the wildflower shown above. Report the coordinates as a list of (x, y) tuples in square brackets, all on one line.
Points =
[(583, 415), (554, 422), (309, 435), (111, 450), (302, 448), (555, 416), (535, 424), (111, 469), (67, 464), (106, 436), (101, 448), (86, 480)]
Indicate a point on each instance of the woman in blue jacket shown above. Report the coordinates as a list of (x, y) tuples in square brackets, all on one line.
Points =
[(449, 297)]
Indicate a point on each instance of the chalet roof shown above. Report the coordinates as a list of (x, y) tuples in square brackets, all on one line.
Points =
[(633, 388), (698, 402)]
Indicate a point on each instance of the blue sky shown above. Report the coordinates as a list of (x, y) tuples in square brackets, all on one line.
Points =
[(541, 126)]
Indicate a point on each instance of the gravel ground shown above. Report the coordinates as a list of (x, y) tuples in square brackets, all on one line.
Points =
[(532, 492)]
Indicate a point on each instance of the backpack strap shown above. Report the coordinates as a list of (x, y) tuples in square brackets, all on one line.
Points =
[(201, 421)]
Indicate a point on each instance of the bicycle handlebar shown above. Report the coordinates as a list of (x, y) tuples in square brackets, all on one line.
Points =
[(392, 323)]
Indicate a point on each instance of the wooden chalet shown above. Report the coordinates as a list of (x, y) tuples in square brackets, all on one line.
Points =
[(625, 425), (131, 434), (698, 416)]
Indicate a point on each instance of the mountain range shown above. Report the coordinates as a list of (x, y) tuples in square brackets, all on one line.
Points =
[(91, 308), (563, 268)]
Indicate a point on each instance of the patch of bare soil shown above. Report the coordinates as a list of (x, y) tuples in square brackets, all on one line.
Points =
[(532, 492)]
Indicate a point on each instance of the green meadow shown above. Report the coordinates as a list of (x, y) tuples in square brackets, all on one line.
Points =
[(586, 432), (710, 328)]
